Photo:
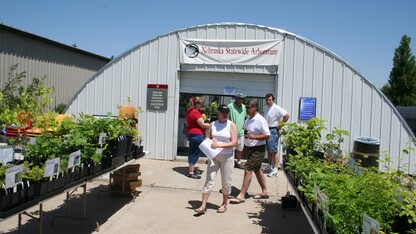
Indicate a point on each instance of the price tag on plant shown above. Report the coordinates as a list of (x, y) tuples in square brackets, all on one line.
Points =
[(370, 225), (14, 176), (6, 154), (321, 200), (102, 139), (51, 167), (74, 159)]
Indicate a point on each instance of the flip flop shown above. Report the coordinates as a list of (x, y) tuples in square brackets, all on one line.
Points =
[(224, 209), (261, 196), (236, 200)]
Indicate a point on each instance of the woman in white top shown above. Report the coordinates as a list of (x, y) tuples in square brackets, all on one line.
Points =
[(223, 133)]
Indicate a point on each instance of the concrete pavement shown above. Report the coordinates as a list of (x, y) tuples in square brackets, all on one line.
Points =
[(165, 205)]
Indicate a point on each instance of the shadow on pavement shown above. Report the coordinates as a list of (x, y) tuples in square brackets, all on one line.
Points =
[(184, 170), (98, 210), (194, 204), (273, 219)]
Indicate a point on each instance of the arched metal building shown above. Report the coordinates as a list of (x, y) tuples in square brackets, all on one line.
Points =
[(234, 57)]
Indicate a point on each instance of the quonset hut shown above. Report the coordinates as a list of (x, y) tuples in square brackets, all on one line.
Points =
[(222, 59)]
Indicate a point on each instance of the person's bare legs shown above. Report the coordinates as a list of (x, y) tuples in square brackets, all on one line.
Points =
[(203, 206), (191, 168), (223, 206), (270, 157), (276, 160), (262, 182), (238, 155), (246, 184)]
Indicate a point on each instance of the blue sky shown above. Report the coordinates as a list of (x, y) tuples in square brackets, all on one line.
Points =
[(363, 32)]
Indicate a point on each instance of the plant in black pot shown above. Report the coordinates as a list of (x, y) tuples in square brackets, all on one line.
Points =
[(333, 143), (34, 175), (303, 138)]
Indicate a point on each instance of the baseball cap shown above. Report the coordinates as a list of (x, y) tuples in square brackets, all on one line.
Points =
[(240, 95), (223, 109)]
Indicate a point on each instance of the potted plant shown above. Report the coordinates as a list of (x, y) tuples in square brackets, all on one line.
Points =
[(303, 138), (334, 140)]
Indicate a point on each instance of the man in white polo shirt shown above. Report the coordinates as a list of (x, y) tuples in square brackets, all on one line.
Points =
[(257, 132), (273, 115)]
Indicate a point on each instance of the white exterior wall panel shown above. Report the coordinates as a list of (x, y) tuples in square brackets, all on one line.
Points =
[(344, 98)]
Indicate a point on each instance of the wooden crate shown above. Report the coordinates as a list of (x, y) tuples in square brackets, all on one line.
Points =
[(128, 185)]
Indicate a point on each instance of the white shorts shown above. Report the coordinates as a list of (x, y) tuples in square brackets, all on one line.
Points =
[(240, 143)]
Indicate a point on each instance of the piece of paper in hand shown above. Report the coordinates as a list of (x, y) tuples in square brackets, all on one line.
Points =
[(205, 147)]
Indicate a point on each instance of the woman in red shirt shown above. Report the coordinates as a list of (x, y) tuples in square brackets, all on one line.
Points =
[(195, 132)]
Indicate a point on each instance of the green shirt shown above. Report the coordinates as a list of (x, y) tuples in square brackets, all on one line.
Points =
[(238, 116)]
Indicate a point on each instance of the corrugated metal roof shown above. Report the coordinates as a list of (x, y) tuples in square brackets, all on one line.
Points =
[(49, 41)]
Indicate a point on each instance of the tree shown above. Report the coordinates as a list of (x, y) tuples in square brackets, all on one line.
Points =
[(17, 100), (401, 86)]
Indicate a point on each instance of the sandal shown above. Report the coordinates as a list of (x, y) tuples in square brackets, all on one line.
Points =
[(200, 211), (222, 208), (261, 196), (193, 176), (236, 200)]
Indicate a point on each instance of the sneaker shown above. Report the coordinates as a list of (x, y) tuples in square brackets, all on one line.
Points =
[(268, 169), (274, 172), (193, 176)]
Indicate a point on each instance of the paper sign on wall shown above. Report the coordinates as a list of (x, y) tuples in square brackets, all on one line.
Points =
[(307, 108), (229, 89)]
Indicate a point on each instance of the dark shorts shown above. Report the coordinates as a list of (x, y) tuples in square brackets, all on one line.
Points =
[(255, 156)]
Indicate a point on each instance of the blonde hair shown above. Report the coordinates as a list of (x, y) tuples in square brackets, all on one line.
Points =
[(193, 101)]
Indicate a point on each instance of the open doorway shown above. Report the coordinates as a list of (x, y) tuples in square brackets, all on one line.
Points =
[(209, 99)]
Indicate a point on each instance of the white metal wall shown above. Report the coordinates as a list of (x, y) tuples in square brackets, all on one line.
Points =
[(154, 62), (345, 98)]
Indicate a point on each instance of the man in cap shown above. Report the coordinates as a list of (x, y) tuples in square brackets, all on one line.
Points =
[(238, 115)]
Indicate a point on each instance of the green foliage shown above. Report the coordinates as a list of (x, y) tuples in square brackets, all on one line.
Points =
[(35, 173), (302, 138), (382, 195), (15, 98), (60, 108), (401, 86)]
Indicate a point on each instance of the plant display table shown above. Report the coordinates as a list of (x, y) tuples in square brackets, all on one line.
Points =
[(69, 189), (308, 213)]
